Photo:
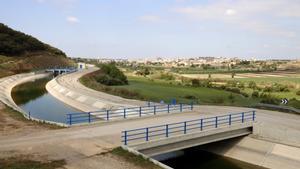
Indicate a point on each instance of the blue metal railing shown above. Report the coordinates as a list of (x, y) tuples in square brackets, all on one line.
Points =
[(167, 130), (107, 115)]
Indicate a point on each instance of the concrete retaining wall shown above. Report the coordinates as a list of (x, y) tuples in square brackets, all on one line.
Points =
[(277, 133), (259, 152), (8, 83)]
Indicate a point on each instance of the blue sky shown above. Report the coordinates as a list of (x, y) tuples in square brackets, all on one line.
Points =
[(268, 29)]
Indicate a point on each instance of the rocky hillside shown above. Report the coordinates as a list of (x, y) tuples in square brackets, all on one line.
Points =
[(20, 52)]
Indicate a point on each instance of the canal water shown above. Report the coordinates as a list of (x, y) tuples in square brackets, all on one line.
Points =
[(33, 97), (195, 158)]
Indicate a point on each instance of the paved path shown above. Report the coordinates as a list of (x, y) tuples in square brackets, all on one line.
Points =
[(78, 143), (69, 90)]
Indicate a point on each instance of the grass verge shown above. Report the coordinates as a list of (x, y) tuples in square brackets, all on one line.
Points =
[(137, 160), (21, 163)]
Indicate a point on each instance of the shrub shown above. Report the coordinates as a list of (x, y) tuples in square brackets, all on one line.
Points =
[(252, 85), (269, 99), (110, 75), (241, 85), (298, 93), (166, 76), (190, 97), (233, 89), (231, 97), (195, 82), (255, 94)]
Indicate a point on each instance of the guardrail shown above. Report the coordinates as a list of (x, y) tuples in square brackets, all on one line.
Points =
[(107, 115), (185, 127)]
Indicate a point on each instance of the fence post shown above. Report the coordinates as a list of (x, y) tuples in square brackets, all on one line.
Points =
[(154, 109), (107, 115), (125, 138), (89, 117), (229, 119), (124, 113), (168, 108), (147, 134), (70, 119), (201, 124), (29, 115), (167, 130), (243, 114), (184, 129), (192, 105), (253, 115), (140, 111), (180, 107), (216, 122)]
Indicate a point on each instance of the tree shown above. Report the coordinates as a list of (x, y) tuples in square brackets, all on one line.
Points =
[(232, 74)]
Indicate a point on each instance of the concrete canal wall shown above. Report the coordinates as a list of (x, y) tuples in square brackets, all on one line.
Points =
[(8, 83), (69, 90)]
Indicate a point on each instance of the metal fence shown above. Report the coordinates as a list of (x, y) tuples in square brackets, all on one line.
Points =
[(107, 115), (172, 129)]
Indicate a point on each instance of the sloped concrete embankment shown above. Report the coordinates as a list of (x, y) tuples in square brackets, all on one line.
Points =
[(270, 146), (69, 90), (8, 83)]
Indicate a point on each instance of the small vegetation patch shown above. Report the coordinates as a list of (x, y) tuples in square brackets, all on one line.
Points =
[(135, 159), (21, 163), (109, 75)]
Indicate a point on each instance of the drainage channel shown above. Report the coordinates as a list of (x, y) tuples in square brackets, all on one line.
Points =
[(34, 99)]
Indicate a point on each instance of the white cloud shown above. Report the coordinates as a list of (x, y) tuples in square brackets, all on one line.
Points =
[(256, 15), (150, 18), (230, 12), (72, 19)]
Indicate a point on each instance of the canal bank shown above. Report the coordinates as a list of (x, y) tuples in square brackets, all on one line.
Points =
[(34, 99), (8, 83)]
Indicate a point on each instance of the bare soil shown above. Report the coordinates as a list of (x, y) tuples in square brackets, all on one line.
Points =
[(12, 123)]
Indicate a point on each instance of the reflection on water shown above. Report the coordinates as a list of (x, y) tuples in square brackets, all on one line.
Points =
[(194, 158), (34, 98), (26, 92)]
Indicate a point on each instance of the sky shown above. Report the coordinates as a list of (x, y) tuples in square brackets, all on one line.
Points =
[(262, 29)]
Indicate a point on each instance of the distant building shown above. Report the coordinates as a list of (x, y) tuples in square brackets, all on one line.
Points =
[(81, 65)]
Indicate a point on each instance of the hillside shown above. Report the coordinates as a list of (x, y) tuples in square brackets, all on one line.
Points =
[(20, 52)]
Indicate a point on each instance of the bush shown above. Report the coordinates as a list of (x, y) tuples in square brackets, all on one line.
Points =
[(231, 97), (298, 93), (233, 89), (195, 82), (241, 85), (110, 75), (255, 94), (269, 99), (252, 85), (190, 97), (276, 88), (167, 76)]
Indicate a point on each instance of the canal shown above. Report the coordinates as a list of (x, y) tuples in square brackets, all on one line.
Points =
[(198, 158), (33, 98)]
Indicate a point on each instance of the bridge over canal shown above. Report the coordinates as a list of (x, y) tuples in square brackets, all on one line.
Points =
[(156, 140)]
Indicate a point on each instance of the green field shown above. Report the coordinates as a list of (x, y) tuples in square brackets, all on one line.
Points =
[(162, 85), (161, 90)]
